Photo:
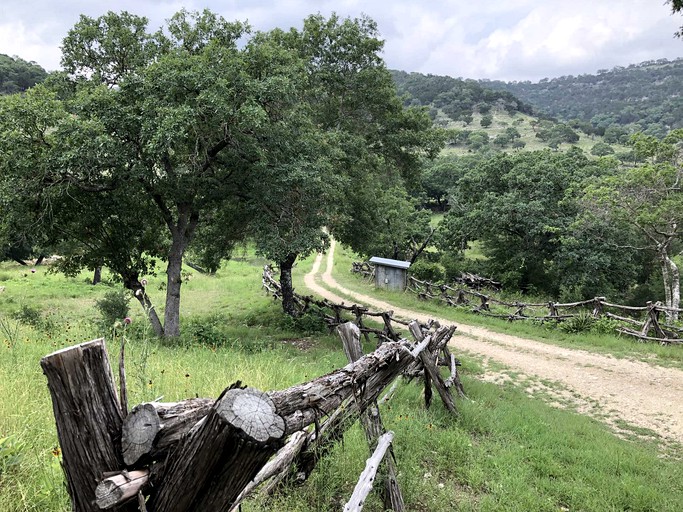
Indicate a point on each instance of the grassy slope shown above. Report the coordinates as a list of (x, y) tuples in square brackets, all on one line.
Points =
[(522, 122), (504, 452)]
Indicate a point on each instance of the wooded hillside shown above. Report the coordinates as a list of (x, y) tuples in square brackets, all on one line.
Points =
[(17, 75), (457, 98), (645, 96)]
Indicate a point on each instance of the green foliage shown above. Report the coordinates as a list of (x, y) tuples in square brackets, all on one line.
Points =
[(644, 205), (501, 140), (581, 323), (385, 223), (602, 149), (17, 75), (514, 205), (113, 307), (132, 140), (635, 97), (428, 271), (457, 98), (29, 315), (556, 133), (12, 452)]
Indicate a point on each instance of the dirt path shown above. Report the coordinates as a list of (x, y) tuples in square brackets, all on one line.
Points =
[(620, 392)]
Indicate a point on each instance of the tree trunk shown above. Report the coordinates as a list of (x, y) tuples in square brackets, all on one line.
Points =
[(181, 235), (174, 281), (88, 418), (133, 284), (97, 276), (672, 285), (286, 286), (40, 259)]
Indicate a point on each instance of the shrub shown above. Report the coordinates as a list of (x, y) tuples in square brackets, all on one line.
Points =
[(310, 323), (29, 315), (428, 271), (605, 326), (114, 306), (583, 322), (205, 330)]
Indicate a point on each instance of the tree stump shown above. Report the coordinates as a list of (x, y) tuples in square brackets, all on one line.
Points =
[(88, 418)]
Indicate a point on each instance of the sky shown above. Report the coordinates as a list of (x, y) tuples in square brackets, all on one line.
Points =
[(485, 39)]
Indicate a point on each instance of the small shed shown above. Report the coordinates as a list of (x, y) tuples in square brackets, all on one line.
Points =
[(390, 274)]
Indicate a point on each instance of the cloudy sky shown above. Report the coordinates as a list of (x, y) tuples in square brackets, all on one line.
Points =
[(497, 39)]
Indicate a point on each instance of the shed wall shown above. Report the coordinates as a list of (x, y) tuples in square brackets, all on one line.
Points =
[(390, 278)]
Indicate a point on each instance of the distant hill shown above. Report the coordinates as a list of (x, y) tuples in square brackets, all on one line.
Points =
[(481, 119), (17, 75), (456, 98), (641, 97)]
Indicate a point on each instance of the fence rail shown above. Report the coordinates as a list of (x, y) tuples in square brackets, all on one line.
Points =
[(649, 320), (336, 314)]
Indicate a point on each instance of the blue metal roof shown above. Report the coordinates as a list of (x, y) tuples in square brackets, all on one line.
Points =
[(386, 262)]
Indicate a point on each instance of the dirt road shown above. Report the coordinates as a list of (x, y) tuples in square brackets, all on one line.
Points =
[(617, 391)]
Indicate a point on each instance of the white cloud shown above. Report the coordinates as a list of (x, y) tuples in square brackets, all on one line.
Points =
[(513, 39)]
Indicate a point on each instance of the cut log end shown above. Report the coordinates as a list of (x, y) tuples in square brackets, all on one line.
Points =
[(119, 488), (253, 412), (138, 432), (107, 494)]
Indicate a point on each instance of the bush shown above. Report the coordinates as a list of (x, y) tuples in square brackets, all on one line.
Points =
[(428, 271), (205, 330), (583, 322), (113, 307), (29, 315)]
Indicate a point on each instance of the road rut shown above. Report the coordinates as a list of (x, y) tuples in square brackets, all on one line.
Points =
[(614, 390)]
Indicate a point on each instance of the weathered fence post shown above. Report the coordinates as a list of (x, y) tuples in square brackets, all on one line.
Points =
[(221, 454), (431, 371), (88, 417), (367, 477), (372, 422), (598, 306)]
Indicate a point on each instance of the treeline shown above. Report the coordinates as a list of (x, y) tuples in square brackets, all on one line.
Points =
[(208, 135), (457, 98), (560, 223), (642, 97), (17, 75)]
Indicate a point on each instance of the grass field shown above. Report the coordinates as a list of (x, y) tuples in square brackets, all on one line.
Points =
[(504, 452)]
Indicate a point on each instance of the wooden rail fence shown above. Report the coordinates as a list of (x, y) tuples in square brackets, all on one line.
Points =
[(336, 314), (210, 454), (645, 323)]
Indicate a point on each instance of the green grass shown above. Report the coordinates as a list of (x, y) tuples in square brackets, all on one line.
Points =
[(504, 452)]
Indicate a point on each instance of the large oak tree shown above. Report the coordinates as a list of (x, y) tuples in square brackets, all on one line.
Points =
[(154, 130)]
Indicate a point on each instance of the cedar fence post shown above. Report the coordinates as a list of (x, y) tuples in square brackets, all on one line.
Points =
[(88, 417), (372, 422)]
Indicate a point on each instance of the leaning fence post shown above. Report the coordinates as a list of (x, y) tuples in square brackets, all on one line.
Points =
[(367, 477), (372, 421)]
